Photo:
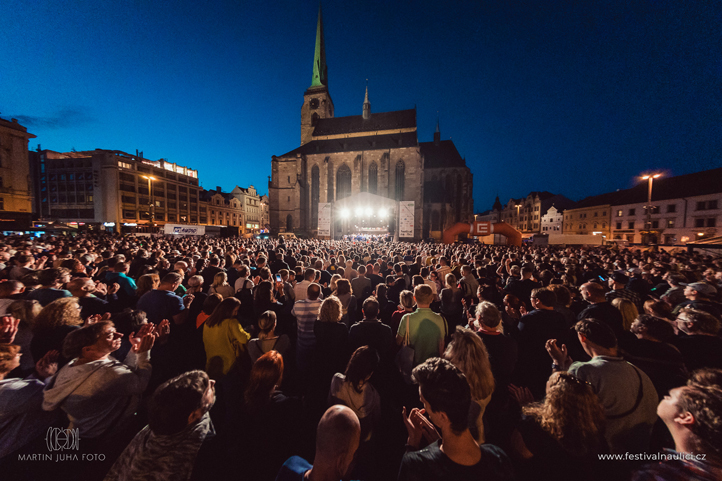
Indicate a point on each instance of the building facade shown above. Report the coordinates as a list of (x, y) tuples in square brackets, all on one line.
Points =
[(239, 208), (526, 214), (552, 222), (114, 190), (684, 208), (15, 179), (374, 153), (590, 216)]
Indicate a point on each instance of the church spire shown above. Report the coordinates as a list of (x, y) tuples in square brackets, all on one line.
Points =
[(367, 104), (319, 56), (437, 133)]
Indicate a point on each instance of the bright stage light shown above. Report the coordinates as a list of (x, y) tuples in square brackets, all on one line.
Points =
[(369, 212), (345, 213), (359, 211), (382, 213)]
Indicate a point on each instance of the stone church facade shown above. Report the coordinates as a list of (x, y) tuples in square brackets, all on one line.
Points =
[(377, 153)]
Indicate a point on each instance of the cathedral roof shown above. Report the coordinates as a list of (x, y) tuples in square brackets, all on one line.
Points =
[(443, 154), (400, 119), (351, 144)]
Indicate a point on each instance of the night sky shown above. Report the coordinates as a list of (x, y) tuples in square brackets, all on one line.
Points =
[(574, 97)]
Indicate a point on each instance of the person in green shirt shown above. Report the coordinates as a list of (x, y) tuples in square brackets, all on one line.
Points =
[(427, 329)]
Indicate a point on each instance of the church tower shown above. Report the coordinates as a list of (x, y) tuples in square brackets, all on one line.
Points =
[(317, 103)]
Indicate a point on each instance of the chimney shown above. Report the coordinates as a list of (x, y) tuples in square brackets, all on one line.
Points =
[(218, 189)]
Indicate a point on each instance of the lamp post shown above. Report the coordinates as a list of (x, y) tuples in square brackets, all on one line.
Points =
[(518, 219), (151, 207), (650, 179)]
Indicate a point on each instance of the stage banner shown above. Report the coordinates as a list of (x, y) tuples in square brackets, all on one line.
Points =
[(324, 219), (406, 219)]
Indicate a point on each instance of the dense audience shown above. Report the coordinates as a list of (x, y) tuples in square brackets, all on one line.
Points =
[(165, 358)]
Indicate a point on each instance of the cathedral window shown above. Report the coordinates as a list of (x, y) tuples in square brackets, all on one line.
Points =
[(315, 196), (400, 176), (343, 182), (373, 178)]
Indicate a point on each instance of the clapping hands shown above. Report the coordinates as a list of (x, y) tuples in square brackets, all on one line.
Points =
[(418, 426), (560, 356), (145, 338), (8, 329), (522, 395), (48, 364)]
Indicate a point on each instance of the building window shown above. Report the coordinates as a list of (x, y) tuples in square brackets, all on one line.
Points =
[(315, 195), (596, 214), (619, 225), (655, 209), (712, 222), (632, 211), (400, 176), (671, 208), (701, 205), (670, 224), (699, 222), (630, 224), (373, 178), (619, 213), (712, 204), (343, 182), (2, 203), (655, 224)]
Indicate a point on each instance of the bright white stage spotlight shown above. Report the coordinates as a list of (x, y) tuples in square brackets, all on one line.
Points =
[(369, 211), (359, 211), (382, 213), (345, 213)]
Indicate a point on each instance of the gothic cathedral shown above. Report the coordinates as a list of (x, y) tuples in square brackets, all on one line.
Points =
[(377, 154)]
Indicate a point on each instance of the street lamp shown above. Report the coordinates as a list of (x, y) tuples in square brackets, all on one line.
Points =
[(649, 178), (151, 207), (518, 220)]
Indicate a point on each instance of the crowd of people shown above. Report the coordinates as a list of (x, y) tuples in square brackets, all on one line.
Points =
[(159, 358)]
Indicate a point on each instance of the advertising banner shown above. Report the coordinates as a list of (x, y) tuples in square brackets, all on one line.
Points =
[(406, 219), (324, 219), (176, 229)]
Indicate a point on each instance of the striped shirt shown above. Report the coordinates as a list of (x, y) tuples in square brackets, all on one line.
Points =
[(306, 313)]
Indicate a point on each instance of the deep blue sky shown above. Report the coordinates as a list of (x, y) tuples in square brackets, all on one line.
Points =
[(573, 97)]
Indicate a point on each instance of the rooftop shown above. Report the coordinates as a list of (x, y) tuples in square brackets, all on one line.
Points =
[(442, 155), (400, 119)]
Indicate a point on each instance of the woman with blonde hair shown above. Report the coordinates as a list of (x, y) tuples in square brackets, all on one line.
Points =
[(267, 339), (332, 349), (224, 338), (629, 313), (146, 283), (563, 435), (467, 352), (348, 301), (220, 286), (52, 324), (628, 309), (451, 306)]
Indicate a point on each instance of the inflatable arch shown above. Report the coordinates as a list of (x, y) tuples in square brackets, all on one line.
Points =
[(513, 236)]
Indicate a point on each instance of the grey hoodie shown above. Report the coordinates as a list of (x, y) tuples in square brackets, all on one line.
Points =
[(95, 394)]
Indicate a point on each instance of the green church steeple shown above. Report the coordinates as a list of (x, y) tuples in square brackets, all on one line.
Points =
[(319, 56)]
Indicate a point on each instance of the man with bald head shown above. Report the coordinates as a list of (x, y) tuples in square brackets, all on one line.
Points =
[(90, 296), (337, 439)]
